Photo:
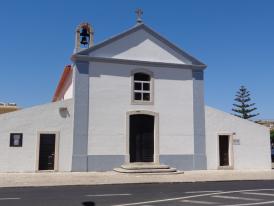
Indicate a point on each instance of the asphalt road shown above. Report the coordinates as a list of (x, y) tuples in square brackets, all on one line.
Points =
[(237, 193)]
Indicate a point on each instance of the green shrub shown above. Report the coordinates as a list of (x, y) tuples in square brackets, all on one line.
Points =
[(272, 135)]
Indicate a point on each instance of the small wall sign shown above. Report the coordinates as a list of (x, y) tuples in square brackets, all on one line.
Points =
[(16, 139), (236, 141)]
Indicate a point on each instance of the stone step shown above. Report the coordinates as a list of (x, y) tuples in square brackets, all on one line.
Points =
[(166, 170), (136, 166)]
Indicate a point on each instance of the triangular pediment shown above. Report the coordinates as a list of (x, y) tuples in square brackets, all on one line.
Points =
[(142, 44)]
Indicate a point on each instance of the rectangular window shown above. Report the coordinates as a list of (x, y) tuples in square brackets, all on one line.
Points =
[(16, 139), (137, 86), (142, 88), (137, 96), (146, 87), (146, 96)]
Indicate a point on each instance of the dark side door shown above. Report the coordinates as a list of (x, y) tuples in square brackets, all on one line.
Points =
[(47, 152)]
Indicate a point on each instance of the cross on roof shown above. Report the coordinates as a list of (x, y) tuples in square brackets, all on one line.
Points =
[(139, 13)]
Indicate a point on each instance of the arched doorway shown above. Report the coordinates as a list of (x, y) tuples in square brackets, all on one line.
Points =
[(141, 138)]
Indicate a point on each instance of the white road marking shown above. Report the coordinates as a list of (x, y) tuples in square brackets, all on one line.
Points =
[(235, 198), (107, 195), (250, 204), (205, 191), (200, 202), (257, 193), (193, 196), (10, 198)]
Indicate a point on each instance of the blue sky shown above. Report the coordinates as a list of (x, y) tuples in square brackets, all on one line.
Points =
[(234, 38)]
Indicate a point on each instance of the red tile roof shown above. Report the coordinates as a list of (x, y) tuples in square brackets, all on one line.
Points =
[(65, 76)]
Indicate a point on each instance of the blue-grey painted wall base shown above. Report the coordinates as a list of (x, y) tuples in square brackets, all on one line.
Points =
[(104, 162), (180, 162)]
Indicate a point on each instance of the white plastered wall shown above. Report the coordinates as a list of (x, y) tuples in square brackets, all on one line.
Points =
[(252, 150), (67, 90), (31, 122), (68, 94), (110, 100)]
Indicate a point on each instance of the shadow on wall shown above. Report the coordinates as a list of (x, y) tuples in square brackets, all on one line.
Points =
[(124, 71), (88, 203)]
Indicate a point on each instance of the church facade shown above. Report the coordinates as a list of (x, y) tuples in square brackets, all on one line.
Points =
[(134, 100)]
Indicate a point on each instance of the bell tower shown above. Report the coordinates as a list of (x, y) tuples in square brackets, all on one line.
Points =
[(84, 37)]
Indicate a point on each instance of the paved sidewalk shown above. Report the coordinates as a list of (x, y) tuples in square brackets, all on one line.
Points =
[(98, 178)]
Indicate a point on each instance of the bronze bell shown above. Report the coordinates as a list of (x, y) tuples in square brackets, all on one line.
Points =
[(85, 35), (84, 32), (84, 40)]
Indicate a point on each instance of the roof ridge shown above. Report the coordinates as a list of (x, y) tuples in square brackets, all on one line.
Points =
[(149, 30), (112, 38)]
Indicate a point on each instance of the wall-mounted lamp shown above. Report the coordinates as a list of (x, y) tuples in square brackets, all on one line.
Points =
[(63, 111)]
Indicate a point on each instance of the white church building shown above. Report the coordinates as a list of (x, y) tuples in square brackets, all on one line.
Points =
[(134, 102)]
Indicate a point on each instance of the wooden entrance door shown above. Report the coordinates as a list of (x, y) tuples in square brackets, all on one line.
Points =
[(224, 150), (47, 152), (141, 138)]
